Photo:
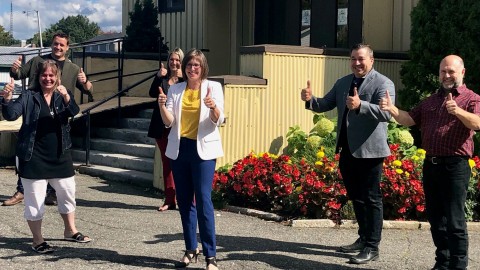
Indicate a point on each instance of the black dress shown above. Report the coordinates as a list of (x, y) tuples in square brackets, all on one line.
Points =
[(156, 128), (47, 159)]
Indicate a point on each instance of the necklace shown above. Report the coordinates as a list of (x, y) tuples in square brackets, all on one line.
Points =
[(50, 106)]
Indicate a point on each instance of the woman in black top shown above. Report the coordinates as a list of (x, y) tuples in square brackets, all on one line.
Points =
[(157, 129), (43, 150)]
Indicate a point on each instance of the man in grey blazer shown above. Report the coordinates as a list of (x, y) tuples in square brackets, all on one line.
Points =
[(362, 143)]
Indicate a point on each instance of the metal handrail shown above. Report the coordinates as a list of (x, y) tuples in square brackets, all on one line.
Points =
[(87, 110), (87, 113), (114, 77)]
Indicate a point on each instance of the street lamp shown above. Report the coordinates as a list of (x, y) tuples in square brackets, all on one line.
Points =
[(38, 21)]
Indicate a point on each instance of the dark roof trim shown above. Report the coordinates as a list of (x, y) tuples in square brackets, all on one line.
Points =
[(237, 79), (263, 48)]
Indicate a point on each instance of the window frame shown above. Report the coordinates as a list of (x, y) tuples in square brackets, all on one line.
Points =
[(166, 6)]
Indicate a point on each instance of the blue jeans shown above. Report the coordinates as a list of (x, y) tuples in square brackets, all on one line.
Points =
[(445, 187), (50, 189), (361, 177), (193, 181)]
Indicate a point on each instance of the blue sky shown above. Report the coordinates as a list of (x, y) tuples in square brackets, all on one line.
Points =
[(106, 13)]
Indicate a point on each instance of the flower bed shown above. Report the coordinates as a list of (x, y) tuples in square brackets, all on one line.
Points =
[(305, 182)]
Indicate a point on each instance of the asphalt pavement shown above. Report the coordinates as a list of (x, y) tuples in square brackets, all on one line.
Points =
[(129, 233)]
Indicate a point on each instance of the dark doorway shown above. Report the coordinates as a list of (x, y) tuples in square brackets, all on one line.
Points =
[(336, 23), (277, 22)]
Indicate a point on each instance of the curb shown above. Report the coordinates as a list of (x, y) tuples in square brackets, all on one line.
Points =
[(327, 223)]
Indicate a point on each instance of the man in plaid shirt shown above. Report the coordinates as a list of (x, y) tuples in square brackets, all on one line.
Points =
[(447, 120)]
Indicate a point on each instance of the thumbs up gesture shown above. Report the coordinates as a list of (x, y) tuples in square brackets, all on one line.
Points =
[(306, 93), (163, 71), (82, 78), (7, 91), (451, 104), (353, 102), (162, 98), (17, 64), (208, 100), (386, 103)]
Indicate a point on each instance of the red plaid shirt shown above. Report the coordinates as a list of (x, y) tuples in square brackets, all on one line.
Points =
[(443, 134)]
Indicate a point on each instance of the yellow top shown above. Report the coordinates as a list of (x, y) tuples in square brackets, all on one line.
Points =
[(190, 113)]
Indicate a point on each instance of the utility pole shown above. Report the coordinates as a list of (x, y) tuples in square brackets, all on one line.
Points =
[(11, 18), (38, 23)]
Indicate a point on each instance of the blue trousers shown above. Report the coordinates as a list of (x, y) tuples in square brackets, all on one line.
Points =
[(193, 181), (445, 187), (361, 177)]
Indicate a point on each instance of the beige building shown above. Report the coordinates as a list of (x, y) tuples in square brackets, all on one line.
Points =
[(245, 40), (221, 28)]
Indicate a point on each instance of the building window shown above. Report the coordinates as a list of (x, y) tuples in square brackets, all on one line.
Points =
[(165, 6), (342, 24), (305, 27)]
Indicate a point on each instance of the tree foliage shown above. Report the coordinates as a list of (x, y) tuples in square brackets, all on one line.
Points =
[(440, 28), (6, 39), (79, 28), (143, 34)]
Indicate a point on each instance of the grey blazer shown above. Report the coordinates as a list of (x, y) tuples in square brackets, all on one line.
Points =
[(367, 126)]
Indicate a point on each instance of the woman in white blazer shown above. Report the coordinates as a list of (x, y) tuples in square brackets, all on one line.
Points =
[(194, 110)]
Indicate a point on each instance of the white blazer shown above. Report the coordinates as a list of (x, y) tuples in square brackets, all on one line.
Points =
[(209, 145)]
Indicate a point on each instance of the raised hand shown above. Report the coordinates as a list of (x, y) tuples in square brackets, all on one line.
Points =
[(386, 102), (451, 105), (163, 70), (162, 98), (82, 78), (306, 93), (17, 64), (179, 71), (353, 102), (7, 91), (208, 100)]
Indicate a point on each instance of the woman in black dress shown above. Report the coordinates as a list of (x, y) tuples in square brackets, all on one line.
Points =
[(157, 129), (43, 150)]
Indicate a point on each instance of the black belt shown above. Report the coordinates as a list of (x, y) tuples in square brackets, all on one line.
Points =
[(445, 160)]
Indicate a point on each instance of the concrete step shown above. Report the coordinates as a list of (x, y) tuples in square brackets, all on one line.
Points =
[(135, 123), (133, 177), (124, 134), (116, 146), (147, 113), (116, 160)]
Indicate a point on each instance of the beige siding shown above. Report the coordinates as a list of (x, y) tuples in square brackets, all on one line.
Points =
[(251, 65), (387, 24), (246, 126), (184, 29), (259, 116), (377, 23), (402, 24), (180, 29)]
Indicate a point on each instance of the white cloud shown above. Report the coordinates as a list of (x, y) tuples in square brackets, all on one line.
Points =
[(106, 13)]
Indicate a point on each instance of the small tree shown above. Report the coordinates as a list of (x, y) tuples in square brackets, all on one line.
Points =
[(6, 38), (143, 34), (78, 28), (440, 28)]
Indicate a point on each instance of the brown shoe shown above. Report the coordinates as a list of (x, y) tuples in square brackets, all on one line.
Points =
[(51, 199), (15, 199)]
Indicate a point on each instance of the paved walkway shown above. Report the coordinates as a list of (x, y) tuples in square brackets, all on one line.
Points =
[(129, 233)]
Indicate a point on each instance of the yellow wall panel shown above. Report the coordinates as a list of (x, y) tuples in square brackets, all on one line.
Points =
[(258, 117)]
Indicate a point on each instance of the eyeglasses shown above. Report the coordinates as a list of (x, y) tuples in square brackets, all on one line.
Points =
[(195, 65)]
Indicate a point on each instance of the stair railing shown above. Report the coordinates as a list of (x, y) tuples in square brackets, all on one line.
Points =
[(87, 112)]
